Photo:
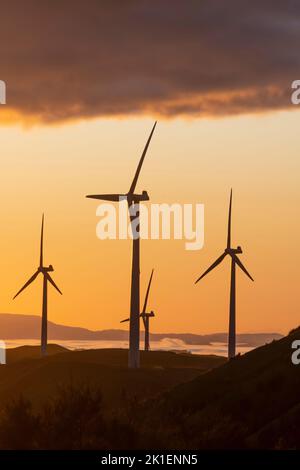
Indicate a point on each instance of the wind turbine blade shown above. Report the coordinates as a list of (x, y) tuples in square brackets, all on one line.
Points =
[(240, 264), (144, 318), (229, 222), (147, 293), (127, 319), (107, 197), (27, 283), (49, 278), (218, 261), (134, 182), (42, 243)]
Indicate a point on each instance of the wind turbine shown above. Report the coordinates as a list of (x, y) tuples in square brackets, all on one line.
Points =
[(232, 252), (133, 201), (47, 278), (146, 316)]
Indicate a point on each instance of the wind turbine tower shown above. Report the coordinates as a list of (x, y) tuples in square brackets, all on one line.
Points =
[(133, 201), (232, 252), (44, 270), (146, 316)]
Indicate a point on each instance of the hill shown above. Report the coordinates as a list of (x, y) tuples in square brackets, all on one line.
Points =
[(175, 401), (13, 326), (39, 379), (251, 401)]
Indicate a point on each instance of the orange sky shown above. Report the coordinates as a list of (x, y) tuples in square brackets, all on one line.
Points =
[(51, 169)]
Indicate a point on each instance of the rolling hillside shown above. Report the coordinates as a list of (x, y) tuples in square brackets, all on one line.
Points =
[(38, 379), (175, 401), (253, 401)]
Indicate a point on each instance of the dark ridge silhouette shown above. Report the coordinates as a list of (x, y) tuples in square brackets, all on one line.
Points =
[(36, 378), (251, 401), (44, 270), (192, 402), (133, 201), (31, 352), (232, 252)]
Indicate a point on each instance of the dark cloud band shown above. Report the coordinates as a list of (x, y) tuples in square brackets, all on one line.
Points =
[(81, 59)]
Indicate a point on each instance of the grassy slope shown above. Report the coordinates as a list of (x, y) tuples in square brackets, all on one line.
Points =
[(38, 378), (249, 401), (191, 401)]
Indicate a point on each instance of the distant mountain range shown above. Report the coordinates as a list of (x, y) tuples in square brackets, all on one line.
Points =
[(13, 326)]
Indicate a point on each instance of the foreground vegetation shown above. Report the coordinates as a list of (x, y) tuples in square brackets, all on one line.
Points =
[(174, 401)]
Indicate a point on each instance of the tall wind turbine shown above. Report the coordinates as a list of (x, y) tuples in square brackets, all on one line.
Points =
[(47, 278), (232, 252), (133, 201), (146, 316)]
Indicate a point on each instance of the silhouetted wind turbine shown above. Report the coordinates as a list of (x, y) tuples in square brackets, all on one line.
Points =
[(47, 278), (146, 316), (133, 201), (232, 252)]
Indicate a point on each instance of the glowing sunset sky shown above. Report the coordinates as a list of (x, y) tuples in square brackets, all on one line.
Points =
[(81, 103)]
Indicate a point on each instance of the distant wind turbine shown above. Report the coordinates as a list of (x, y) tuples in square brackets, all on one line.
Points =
[(232, 252), (146, 316), (47, 278), (133, 201)]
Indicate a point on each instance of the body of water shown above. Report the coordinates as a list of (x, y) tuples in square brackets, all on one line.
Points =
[(166, 344)]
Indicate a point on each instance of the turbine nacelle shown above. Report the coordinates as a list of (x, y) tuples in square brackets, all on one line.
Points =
[(46, 269), (150, 314), (130, 197), (136, 198), (142, 315), (233, 251)]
